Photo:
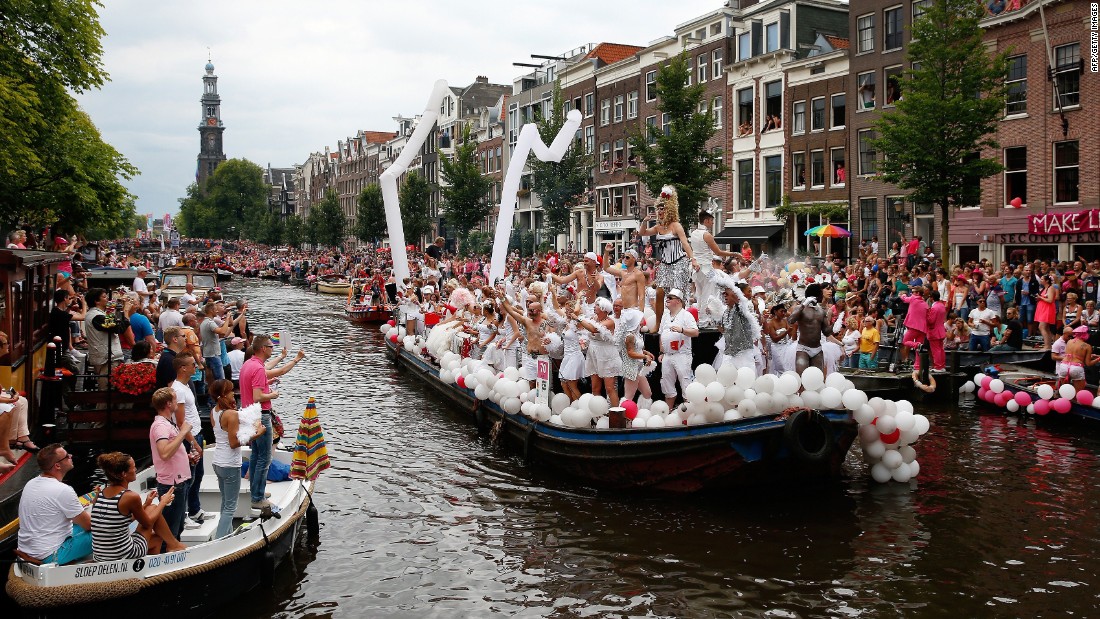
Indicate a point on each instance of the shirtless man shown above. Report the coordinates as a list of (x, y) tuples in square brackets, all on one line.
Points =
[(536, 341), (1078, 355), (588, 281), (812, 321), (631, 288)]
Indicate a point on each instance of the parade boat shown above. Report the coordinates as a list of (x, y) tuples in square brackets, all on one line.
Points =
[(806, 446), (109, 277), (209, 573), (361, 305), (1018, 379), (173, 282)]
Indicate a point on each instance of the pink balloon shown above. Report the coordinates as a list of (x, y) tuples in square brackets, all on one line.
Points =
[(631, 408), (1022, 398), (1016, 202), (986, 380), (983, 393), (1042, 407), (1062, 405), (1001, 398), (1085, 397)]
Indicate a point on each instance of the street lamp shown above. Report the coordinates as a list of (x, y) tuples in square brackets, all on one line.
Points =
[(899, 208)]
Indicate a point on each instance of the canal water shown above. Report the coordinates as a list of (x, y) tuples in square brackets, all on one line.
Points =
[(422, 517)]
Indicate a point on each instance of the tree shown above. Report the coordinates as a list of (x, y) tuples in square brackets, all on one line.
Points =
[(327, 222), (681, 158), (293, 230), (954, 98), (415, 195), (370, 223), (235, 196), (466, 195), (560, 185), (272, 229)]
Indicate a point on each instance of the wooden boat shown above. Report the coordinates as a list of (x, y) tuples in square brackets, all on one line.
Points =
[(368, 313), (1027, 380), (875, 382), (193, 581), (972, 360), (753, 451), (173, 282), (333, 287), (269, 274), (224, 275)]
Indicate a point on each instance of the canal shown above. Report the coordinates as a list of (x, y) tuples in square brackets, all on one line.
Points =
[(422, 517)]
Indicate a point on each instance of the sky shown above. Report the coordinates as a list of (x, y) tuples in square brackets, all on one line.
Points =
[(295, 77)]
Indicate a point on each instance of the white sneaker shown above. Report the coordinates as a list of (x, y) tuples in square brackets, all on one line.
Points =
[(188, 523), (199, 516)]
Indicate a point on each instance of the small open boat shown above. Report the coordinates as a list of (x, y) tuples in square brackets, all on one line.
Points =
[(752, 451), (333, 287), (972, 360), (368, 313), (1027, 380), (209, 573), (875, 382)]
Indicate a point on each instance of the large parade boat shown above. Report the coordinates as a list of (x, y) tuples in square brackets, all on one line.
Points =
[(173, 282), (769, 449)]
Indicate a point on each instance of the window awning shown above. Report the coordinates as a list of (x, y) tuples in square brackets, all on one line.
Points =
[(738, 233)]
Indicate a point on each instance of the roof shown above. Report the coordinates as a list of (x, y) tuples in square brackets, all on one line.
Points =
[(837, 42), (378, 137), (610, 53)]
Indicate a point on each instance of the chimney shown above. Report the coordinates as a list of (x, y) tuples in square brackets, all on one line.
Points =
[(481, 79)]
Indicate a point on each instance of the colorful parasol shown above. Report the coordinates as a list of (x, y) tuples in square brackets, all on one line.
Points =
[(828, 230), (310, 452)]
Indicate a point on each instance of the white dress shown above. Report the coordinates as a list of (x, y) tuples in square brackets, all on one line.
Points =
[(604, 358), (573, 361)]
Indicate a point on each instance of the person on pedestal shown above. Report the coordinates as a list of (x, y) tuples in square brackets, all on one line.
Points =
[(671, 248), (812, 348)]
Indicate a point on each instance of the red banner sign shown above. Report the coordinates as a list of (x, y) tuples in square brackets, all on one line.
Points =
[(1064, 223)]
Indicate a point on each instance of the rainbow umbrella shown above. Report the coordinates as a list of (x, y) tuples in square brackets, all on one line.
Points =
[(828, 230), (310, 452)]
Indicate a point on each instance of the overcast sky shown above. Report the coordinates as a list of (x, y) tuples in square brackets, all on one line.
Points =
[(297, 76)]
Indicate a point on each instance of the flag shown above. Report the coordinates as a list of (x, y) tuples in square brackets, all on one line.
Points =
[(310, 452)]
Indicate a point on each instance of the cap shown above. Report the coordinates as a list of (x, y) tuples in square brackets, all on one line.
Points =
[(142, 269), (236, 341), (630, 252), (60, 241), (675, 292), (758, 290), (592, 256)]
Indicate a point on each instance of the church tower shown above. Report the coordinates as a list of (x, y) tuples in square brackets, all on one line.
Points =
[(210, 128)]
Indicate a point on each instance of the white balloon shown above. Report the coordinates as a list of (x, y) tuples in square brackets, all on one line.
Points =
[(875, 449), (908, 454), (511, 374), (655, 421), (471, 381), (1067, 391), (903, 405), (1031, 409), (658, 408), (920, 424), (714, 413), (745, 377), (556, 420), (750, 394), (914, 469), (835, 380), (764, 384), (847, 385), (1012, 406), (598, 405), (1045, 391), (908, 437), (779, 402), (715, 391), (727, 375), (902, 474), (696, 420), (695, 392), (905, 420), (880, 473), (868, 434), (445, 377), (582, 402), (996, 385), (731, 414), (385, 329), (813, 379), (830, 398), (525, 407), (747, 408), (764, 403), (968, 387), (638, 422), (978, 378), (864, 415), (674, 419), (853, 399), (603, 423), (644, 413), (811, 399), (788, 383), (544, 413), (706, 374), (892, 459), (559, 403), (795, 400), (878, 404), (735, 394), (886, 424), (511, 405), (481, 392)]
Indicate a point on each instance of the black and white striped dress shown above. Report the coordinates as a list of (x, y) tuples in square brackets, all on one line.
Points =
[(111, 537)]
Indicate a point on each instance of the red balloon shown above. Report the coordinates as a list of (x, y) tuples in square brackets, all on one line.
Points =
[(461, 381), (1016, 202), (890, 438), (1002, 398), (986, 380), (631, 408), (694, 311), (391, 322), (393, 338)]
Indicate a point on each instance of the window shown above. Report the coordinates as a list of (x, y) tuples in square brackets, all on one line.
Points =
[(744, 185), (817, 114), (893, 85), (617, 201), (865, 29), (744, 111), (1016, 174), (716, 109), (1066, 169), (620, 154), (690, 68), (817, 168), (632, 104), (716, 64), (651, 86), (589, 104), (701, 67), (744, 46), (840, 173), (771, 37), (839, 111), (589, 139), (865, 90), (920, 7), (605, 202), (1016, 84), (891, 20), (666, 124), (651, 129), (773, 181), (867, 153), (868, 218), (798, 117), (798, 170), (619, 107), (605, 112), (1067, 74), (605, 157), (500, 159), (716, 29), (773, 105)]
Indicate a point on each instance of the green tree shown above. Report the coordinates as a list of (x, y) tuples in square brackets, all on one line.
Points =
[(54, 166), (370, 223), (681, 158), (560, 185), (466, 195), (235, 196), (327, 222), (272, 230), (415, 195), (293, 230), (954, 98)]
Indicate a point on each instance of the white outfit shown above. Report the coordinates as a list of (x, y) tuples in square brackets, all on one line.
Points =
[(190, 411), (573, 361), (139, 286), (676, 348), (224, 455), (604, 357), (236, 360), (46, 510)]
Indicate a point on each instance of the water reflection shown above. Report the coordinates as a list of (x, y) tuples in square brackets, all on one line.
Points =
[(421, 516)]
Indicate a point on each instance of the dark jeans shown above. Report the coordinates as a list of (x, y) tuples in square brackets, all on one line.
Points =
[(174, 513), (193, 504), (979, 342)]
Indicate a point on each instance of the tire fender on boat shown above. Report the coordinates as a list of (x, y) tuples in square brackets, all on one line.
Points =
[(809, 435)]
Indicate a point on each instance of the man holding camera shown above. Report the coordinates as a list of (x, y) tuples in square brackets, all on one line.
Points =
[(101, 329)]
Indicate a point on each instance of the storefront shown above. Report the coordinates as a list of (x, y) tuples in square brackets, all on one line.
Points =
[(615, 231), (763, 238), (1016, 235)]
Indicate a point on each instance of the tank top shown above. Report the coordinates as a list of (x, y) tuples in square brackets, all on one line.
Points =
[(111, 538), (699, 247), (668, 248), (224, 455)]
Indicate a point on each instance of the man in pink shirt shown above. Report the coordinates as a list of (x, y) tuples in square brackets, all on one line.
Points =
[(937, 331), (256, 376), (170, 459), (916, 324)]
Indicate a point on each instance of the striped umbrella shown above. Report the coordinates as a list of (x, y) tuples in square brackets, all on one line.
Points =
[(828, 230), (310, 452)]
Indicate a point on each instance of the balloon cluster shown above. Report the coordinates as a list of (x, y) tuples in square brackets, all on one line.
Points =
[(1049, 400), (887, 431), (397, 334)]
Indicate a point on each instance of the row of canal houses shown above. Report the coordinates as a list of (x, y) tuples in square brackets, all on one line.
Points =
[(795, 87)]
